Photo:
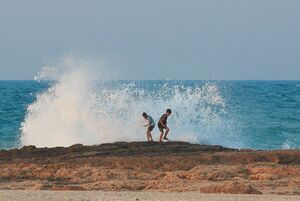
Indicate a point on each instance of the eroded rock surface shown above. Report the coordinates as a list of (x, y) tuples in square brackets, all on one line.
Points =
[(173, 166)]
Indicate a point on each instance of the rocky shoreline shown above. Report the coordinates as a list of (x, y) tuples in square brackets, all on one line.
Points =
[(142, 166)]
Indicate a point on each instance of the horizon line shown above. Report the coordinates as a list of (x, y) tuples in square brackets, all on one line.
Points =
[(170, 80)]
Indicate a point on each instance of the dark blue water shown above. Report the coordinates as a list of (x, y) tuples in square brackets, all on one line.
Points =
[(266, 114), (15, 96)]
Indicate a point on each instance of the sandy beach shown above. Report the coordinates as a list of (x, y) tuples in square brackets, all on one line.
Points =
[(133, 196)]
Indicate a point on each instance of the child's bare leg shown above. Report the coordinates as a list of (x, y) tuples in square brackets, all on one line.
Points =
[(167, 132), (161, 136), (150, 135)]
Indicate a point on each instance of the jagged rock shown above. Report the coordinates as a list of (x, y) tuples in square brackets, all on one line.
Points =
[(171, 166)]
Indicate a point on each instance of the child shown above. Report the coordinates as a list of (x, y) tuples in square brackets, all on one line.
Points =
[(150, 125), (162, 124)]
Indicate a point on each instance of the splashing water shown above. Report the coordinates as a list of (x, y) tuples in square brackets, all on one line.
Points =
[(81, 108)]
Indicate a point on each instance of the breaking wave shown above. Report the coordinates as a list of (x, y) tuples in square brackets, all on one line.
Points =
[(82, 106)]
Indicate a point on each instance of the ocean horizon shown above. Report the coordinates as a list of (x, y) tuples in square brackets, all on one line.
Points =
[(256, 114)]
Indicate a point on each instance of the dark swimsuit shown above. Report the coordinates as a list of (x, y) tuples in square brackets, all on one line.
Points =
[(164, 119), (150, 128)]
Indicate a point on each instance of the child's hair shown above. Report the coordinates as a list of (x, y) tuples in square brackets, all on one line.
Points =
[(144, 114), (169, 111)]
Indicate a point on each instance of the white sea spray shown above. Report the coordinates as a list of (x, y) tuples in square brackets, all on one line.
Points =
[(80, 107)]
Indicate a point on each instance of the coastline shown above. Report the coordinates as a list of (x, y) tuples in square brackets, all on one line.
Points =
[(141, 166), (134, 196)]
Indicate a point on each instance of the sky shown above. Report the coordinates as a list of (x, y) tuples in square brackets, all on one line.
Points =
[(155, 39)]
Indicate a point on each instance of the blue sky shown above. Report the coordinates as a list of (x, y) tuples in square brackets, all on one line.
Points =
[(157, 39)]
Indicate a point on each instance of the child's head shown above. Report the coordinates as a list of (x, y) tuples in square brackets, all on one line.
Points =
[(145, 115), (169, 112)]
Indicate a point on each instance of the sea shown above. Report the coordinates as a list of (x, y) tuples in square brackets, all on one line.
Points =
[(72, 109)]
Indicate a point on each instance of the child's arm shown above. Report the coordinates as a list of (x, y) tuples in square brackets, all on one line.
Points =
[(149, 123)]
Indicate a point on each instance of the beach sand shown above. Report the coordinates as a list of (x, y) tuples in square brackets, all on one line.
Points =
[(133, 196)]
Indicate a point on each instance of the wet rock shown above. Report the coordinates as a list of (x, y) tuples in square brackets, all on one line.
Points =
[(28, 148)]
